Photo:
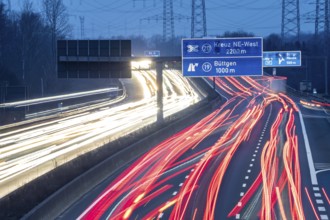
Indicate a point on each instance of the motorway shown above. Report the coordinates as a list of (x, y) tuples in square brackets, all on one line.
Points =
[(251, 158), (29, 150)]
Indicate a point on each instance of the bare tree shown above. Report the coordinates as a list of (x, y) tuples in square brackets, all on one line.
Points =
[(3, 19), (34, 47), (30, 26), (57, 19)]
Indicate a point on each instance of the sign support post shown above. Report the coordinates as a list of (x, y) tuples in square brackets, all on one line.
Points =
[(159, 79), (326, 74), (214, 83)]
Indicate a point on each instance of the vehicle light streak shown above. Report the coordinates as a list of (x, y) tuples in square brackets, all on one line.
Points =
[(319, 104), (275, 192), (57, 98), (326, 195), (280, 203), (247, 196), (74, 135), (157, 153)]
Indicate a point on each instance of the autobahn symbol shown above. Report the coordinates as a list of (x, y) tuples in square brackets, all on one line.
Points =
[(207, 67), (207, 48)]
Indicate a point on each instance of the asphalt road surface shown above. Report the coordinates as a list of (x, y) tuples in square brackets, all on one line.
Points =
[(258, 156)]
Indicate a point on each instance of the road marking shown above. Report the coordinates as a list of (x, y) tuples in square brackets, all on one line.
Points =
[(160, 215), (174, 193), (244, 185), (319, 201), (317, 194), (324, 217), (316, 188), (321, 208), (254, 155), (251, 165), (241, 194), (259, 144), (181, 184), (308, 152), (192, 170), (322, 166), (239, 204), (238, 216), (249, 171), (253, 160), (321, 171), (187, 177), (246, 177), (256, 151)]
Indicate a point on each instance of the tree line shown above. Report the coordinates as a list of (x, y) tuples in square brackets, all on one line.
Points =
[(27, 44)]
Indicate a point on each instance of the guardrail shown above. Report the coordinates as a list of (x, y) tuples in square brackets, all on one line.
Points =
[(56, 98)]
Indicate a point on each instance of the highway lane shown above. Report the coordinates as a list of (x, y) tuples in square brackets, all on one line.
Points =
[(28, 147), (246, 160), (241, 174), (317, 123), (318, 126)]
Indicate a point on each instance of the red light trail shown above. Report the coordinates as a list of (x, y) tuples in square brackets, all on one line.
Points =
[(277, 184)]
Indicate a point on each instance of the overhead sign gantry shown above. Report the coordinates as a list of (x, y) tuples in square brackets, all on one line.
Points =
[(222, 57), (94, 59)]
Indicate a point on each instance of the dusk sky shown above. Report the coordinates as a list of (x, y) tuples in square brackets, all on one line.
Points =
[(106, 18)]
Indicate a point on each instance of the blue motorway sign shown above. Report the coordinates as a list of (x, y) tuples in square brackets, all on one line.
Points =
[(152, 53), (222, 57), (282, 58)]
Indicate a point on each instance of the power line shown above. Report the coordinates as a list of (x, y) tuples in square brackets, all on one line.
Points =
[(144, 3), (168, 20), (198, 18), (322, 18), (290, 19), (134, 3), (168, 17)]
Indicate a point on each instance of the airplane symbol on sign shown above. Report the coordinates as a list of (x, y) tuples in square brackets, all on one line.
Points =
[(192, 48)]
